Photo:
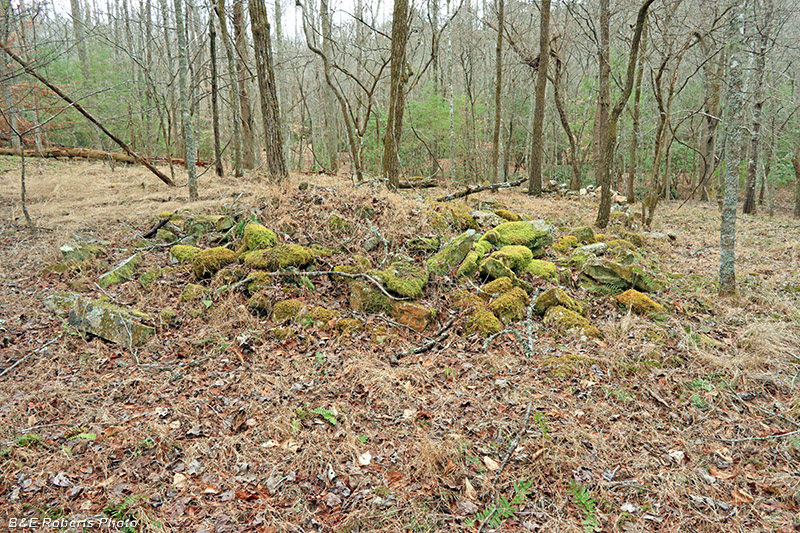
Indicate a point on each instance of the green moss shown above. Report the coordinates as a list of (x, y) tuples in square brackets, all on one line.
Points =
[(620, 243), (499, 286), (199, 225), (446, 215), (483, 247), (122, 272), (167, 315), (260, 303), (483, 322), (348, 326), (206, 263), (424, 244), (146, 279), (566, 320), (542, 269), (556, 297), (494, 268), (347, 269), (566, 243), (366, 298), (181, 253), (507, 215), (469, 266), (514, 257), (510, 306), (583, 233), (638, 302), (279, 257), (321, 251), (165, 235), (192, 291), (230, 275), (466, 300), (337, 223), (637, 239), (323, 317), (405, 279), (287, 310), (258, 237), (71, 253), (520, 233)]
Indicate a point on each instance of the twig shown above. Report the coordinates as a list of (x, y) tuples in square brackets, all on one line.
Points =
[(515, 442), (768, 437), (472, 190), (37, 350), (398, 324), (161, 223), (440, 336)]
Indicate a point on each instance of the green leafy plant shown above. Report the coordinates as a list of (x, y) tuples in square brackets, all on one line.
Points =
[(31, 439), (586, 504), (327, 415), (543, 422), (496, 514), (84, 436), (698, 402), (121, 511), (702, 384)]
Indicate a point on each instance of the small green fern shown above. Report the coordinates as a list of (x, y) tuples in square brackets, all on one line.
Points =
[(494, 515), (586, 504), (327, 415)]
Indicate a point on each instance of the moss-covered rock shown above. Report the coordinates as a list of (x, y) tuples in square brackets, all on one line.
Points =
[(199, 225), (72, 253), (208, 262), (348, 326), (337, 223), (182, 253), (261, 303), (167, 315), (258, 237), (639, 303), (258, 281), (499, 286), (165, 235), (494, 268), (347, 269), (61, 302), (230, 275), (522, 233), (322, 251), (113, 323), (618, 276), (122, 272), (446, 215), (566, 243), (615, 244), (510, 305), (483, 322), (279, 257), (583, 233), (366, 298), (514, 257), (542, 269), (469, 266), (404, 278), (637, 239), (505, 214), (323, 317), (556, 297), (413, 315), (464, 299), (424, 244), (287, 310), (146, 279), (453, 253), (192, 291), (566, 320)]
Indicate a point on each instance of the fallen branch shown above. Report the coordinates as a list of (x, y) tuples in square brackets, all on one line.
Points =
[(88, 153), (472, 190), (22, 359), (440, 336), (163, 222), (163, 177)]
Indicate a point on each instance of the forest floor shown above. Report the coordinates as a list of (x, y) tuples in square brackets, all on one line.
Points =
[(683, 421)]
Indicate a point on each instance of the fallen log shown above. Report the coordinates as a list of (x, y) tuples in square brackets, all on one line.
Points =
[(88, 153), (472, 190)]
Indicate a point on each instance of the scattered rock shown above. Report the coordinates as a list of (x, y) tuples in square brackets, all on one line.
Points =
[(514, 257), (258, 237), (182, 253), (453, 253), (323, 317), (413, 315), (583, 233), (347, 326), (510, 305), (192, 291), (72, 253), (206, 263), (110, 322), (487, 219), (483, 322), (261, 303), (566, 243), (556, 297), (405, 278), (366, 298), (280, 257), (287, 310), (122, 272), (566, 320), (523, 233), (598, 248), (639, 303), (498, 286), (542, 269), (620, 276), (507, 215), (424, 244)]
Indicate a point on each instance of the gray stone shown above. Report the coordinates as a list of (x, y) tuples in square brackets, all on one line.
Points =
[(453, 253), (110, 322), (598, 248), (487, 219), (122, 272)]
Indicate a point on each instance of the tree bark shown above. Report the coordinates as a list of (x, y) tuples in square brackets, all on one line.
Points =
[(603, 95), (712, 86), (212, 39), (269, 96), (733, 136), (249, 155), (498, 89), (537, 141), (796, 166), (398, 78), (183, 92), (234, 75), (330, 132), (630, 192)]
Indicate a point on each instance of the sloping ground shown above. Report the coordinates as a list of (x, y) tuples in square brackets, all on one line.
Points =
[(226, 420)]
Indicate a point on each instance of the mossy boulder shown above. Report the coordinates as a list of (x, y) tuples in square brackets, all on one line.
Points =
[(321, 251), (337, 223), (514, 257), (113, 323), (280, 257), (346, 269), (258, 237), (637, 239), (453, 253), (287, 310), (261, 303), (510, 305), (505, 214), (199, 225), (348, 326), (404, 278), (366, 298), (616, 244), (60, 302), (497, 287), (566, 321), (464, 299), (183, 253), (522, 233), (165, 235), (259, 280), (230, 275), (122, 272), (566, 243), (619, 276), (424, 244), (192, 291), (639, 303), (322, 317), (72, 253), (413, 315), (146, 279), (469, 266), (494, 268), (446, 215), (208, 262), (583, 233), (483, 322), (556, 297), (542, 269)]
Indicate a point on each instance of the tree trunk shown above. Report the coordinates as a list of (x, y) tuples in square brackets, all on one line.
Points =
[(537, 141), (603, 95), (712, 87), (212, 38), (183, 91), (733, 136), (219, 8), (249, 154), (331, 130), (630, 192), (796, 166), (398, 78), (269, 97), (610, 137), (498, 89)]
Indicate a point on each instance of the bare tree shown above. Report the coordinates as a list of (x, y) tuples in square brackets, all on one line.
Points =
[(537, 144), (397, 96), (498, 89)]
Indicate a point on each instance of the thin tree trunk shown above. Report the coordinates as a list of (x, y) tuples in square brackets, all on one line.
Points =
[(234, 98), (398, 78), (330, 131), (498, 89), (249, 154), (796, 166), (733, 136), (212, 37), (183, 91), (265, 72), (630, 191), (603, 95), (713, 88), (537, 141)]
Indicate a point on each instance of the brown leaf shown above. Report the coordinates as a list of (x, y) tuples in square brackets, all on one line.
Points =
[(722, 474), (741, 496), (246, 495)]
